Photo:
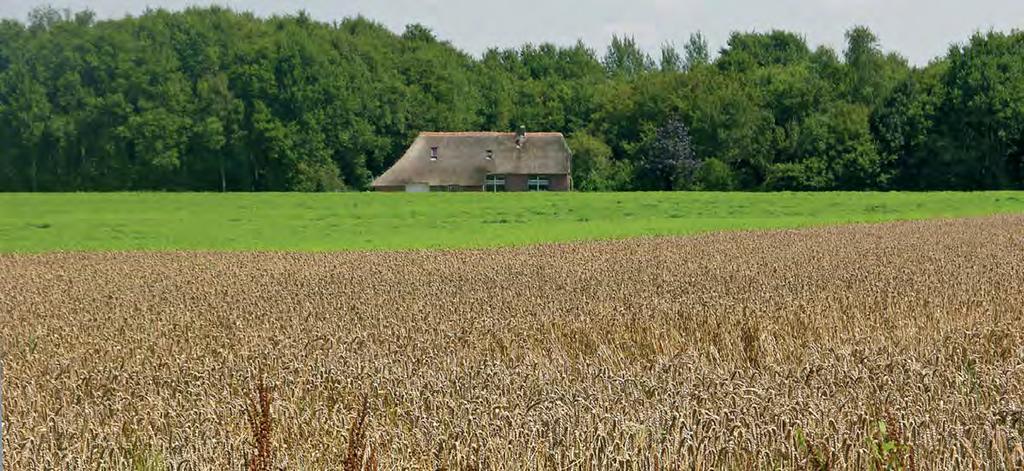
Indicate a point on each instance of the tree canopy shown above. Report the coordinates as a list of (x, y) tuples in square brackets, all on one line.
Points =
[(209, 99)]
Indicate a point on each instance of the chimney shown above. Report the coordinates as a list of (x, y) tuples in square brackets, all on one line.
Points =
[(520, 137)]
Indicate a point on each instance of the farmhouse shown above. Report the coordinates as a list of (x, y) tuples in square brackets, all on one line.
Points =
[(481, 161)]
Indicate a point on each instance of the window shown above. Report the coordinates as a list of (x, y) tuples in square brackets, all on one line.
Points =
[(495, 183), (433, 153), (489, 155), (538, 183)]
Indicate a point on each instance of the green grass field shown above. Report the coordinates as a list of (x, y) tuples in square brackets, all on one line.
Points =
[(372, 221)]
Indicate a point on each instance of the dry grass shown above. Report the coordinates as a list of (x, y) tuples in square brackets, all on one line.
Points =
[(894, 345)]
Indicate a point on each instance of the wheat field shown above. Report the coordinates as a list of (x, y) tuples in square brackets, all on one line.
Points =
[(896, 345)]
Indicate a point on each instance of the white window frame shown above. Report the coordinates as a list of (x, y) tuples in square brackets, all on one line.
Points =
[(492, 182), (538, 183), (434, 153)]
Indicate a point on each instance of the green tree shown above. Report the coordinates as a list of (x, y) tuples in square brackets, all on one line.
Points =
[(593, 168), (625, 58), (211, 99), (746, 52), (982, 118), (696, 52), (668, 161), (671, 61), (905, 129), (714, 175), (872, 74), (832, 150)]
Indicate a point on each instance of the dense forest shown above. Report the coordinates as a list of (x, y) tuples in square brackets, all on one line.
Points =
[(212, 100)]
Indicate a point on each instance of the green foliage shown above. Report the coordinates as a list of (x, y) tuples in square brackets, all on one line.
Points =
[(667, 161), (985, 106), (813, 457), (836, 149), (715, 175), (889, 450), (697, 52), (807, 175), (747, 52), (207, 99), (147, 459), (671, 61), (593, 168), (625, 59)]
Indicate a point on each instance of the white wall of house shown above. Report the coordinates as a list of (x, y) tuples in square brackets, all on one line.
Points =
[(417, 188)]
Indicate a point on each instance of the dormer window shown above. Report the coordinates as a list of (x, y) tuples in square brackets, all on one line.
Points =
[(433, 153), (489, 155)]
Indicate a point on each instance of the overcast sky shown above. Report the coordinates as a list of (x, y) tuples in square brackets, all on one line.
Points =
[(918, 29)]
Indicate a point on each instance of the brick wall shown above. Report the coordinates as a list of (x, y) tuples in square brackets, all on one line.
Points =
[(516, 182), (559, 183)]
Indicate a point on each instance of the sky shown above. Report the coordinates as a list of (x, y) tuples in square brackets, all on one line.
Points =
[(920, 30)]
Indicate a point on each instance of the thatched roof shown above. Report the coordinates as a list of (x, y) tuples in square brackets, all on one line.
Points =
[(462, 158)]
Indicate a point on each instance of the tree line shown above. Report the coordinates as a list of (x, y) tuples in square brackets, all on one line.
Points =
[(209, 99)]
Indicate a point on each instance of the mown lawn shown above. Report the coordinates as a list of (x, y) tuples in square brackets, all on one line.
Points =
[(373, 221)]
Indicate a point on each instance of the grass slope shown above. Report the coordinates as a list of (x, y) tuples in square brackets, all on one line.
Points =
[(350, 221)]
